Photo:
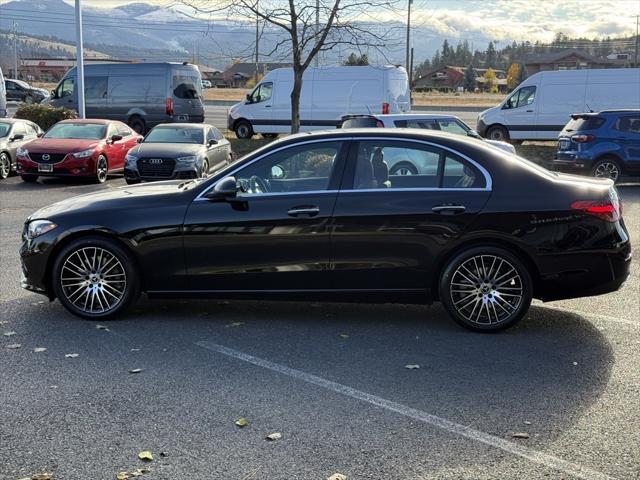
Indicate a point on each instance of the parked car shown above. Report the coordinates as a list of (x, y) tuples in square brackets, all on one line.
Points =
[(77, 148), (19, 91), (177, 150), (206, 84), (604, 144), (542, 104), (401, 165), (141, 95), (3, 96), (327, 94), (14, 133), (317, 216)]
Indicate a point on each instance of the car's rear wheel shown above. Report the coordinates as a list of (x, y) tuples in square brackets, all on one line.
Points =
[(244, 129), (486, 289), (137, 124), (102, 169), (607, 167), (5, 166), (498, 132), (403, 168), (95, 277), (269, 135), (29, 178)]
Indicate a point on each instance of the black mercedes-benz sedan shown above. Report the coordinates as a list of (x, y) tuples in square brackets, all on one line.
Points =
[(177, 150), (318, 216)]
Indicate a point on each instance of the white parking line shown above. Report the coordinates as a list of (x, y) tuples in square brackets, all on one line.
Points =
[(597, 316), (535, 456)]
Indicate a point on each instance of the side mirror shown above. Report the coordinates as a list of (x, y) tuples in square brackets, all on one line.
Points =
[(53, 94), (248, 98), (225, 189), (116, 138), (473, 133), (139, 139), (212, 142), (17, 136)]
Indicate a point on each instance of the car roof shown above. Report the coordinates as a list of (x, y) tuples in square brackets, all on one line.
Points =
[(15, 120), (98, 121), (183, 125), (606, 112), (407, 116)]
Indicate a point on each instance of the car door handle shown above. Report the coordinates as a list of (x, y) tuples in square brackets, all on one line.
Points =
[(310, 211), (267, 106), (529, 111), (449, 209)]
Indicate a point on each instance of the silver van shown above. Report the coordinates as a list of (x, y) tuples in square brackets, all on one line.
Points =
[(3, 96), (142, 95)]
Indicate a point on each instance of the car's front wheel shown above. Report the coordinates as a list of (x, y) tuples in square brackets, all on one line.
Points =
[(5, 166), (499, 133), (102, 170), (205, 169), (95, 277), (244, 129), (486, 289)]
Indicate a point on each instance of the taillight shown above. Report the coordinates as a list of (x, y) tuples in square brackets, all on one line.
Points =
[(169, 106), (609, 210), (583, 138), (385, 108)]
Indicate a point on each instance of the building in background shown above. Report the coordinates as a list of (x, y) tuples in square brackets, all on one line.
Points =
[(238, 74), (451, 78), (51, 69), (572, 59)]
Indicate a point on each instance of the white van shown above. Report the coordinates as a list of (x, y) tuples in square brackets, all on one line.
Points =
[(540, 107), (327, 95)]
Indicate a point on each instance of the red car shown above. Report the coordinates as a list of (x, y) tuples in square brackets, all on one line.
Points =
[(78, 148)]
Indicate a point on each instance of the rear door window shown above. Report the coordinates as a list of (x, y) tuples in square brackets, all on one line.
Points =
[(452, 126), (95, 88), (186, 86), (458, 173), (145, 88), (628, 124)]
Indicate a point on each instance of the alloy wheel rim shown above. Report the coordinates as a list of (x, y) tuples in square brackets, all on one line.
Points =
[(93, 280), (607, 170), (497, 135), (404, 171), (243, 131), (205, 170), (4, 166), (102, 169), (486, 290)]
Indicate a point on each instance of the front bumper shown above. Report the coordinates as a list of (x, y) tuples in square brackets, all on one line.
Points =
[(68, 167), (180, 173), (34, 259), (481, 127)]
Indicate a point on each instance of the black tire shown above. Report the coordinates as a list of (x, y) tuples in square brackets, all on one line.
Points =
[(501, 305), (29, 178), (5, 166), (498, 132), (126, 266), (607, 167), (244, 129), (131, 182), (137, 124), (102, 170), (205, 168), (269, 136), (403, 168)]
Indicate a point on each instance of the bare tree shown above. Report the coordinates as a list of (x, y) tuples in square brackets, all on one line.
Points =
[(311, 27)]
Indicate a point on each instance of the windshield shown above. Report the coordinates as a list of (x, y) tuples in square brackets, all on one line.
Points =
[(175, 135), (21, 83), (4, 129), (85, 131)]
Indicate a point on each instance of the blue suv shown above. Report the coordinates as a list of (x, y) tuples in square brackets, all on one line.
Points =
[(604, 144)]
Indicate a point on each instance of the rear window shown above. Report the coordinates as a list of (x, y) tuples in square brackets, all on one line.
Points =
[(584, 123), (186, 86), (361, 122)]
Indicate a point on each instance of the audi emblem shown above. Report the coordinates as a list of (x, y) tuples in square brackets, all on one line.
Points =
[(155, 161), (46, 157)]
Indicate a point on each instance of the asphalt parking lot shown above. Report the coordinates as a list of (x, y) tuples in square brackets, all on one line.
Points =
[(331, 378)]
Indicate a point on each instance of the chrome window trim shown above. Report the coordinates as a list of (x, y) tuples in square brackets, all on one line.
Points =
[(488, 181)]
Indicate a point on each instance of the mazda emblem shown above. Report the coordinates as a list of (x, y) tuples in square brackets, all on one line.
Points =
[(46, 157), (155, 161)]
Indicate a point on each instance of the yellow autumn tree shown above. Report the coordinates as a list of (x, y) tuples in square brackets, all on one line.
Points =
[(490, 80), (512, 76)]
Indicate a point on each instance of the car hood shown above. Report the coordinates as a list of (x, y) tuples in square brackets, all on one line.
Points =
[(166, 150), (142, 195), (507, 147), (60, 145)]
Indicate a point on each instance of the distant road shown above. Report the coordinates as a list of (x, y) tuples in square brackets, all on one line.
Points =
[(216, 112)]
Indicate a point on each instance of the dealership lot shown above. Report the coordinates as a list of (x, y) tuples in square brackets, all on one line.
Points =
[(330, 378)]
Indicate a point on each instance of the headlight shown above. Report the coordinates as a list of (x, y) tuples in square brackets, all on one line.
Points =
[(40, 227), (190, 159), (22, 152), (84, 153), (130, 158)]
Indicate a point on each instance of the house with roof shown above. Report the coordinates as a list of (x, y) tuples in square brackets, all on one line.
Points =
[(237, 74), (450, 78), (568, 59)]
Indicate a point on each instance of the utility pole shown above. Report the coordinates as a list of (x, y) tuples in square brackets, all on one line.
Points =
[(317, 30), (408, 52), (257, 39), (15, 50), (79, 61)]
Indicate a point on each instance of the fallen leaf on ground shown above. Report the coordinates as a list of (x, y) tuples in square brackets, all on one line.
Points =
[(412, 366), (274, 436), (42, 476), (139, 472), (25, 478), (344, 335), (71, 355), (122, 475), (102, 327), (135, 370), (135, 349), (242, 422), (9, 334), (337, 476), (3, 322), (235, 324), (527, 422), (520, 435), (145, 455), (39, 349), (575, 363), (14, 345)]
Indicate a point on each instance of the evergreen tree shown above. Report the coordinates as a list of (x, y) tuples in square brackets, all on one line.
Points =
[(492, 56), (356, 60), (446, 53), (469, 82)]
